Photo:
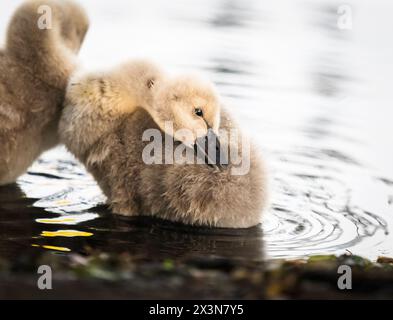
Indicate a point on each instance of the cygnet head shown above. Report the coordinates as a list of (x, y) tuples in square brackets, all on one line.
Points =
[(191, 106), (75, 24)]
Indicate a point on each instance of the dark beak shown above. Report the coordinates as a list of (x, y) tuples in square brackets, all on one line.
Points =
[(209, 149)]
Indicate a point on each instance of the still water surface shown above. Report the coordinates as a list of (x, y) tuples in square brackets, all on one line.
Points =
[(315, 98)]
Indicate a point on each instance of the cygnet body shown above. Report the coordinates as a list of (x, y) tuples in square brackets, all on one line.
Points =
[(104, 120), (35, 66)]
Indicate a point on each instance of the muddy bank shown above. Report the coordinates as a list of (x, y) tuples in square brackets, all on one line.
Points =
[(122, 276)]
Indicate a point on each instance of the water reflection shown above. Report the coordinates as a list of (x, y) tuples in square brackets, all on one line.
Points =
[(293, 81), (151, 239), (94, 228)]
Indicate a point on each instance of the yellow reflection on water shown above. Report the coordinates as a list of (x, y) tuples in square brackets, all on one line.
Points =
[(62, 249), (56, 220), (66, 233), (69, 219), (63, 202)]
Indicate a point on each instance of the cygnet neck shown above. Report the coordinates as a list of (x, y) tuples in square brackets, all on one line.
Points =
[(42, 52)]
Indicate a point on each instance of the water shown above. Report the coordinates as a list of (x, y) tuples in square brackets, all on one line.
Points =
[(316, 99)]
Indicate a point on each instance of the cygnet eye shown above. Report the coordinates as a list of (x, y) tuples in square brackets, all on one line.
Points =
[(198, 112)]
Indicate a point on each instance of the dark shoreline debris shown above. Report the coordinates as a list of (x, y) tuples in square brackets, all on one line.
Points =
[(121, 276)]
